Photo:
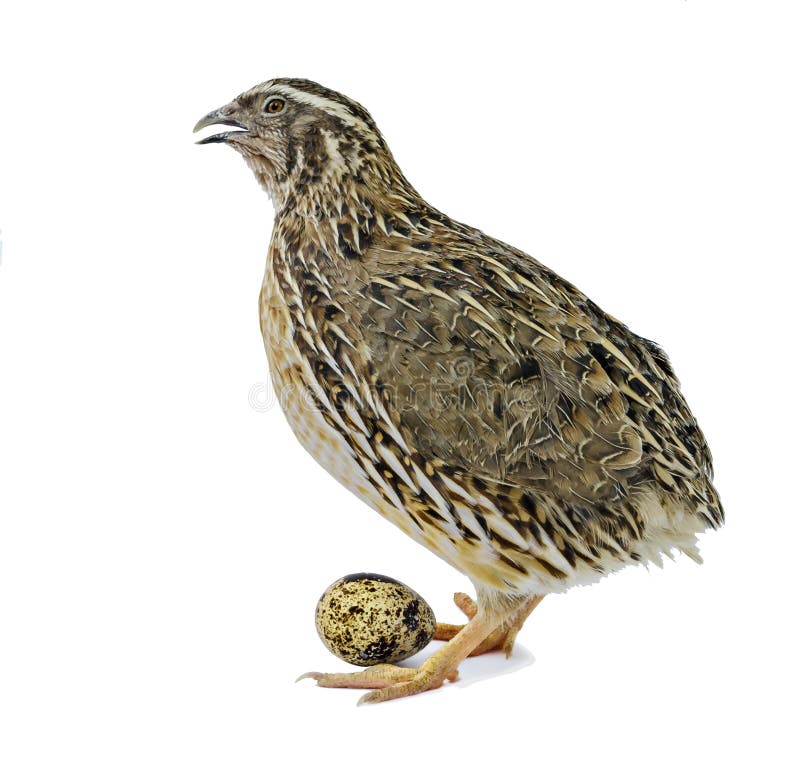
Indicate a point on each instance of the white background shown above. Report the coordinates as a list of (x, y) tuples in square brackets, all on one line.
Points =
[(163, 541)]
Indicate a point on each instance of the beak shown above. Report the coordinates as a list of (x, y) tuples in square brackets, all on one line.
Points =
[(223, 116)]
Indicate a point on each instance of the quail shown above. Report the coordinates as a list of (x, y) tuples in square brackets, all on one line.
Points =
[(459, 387)]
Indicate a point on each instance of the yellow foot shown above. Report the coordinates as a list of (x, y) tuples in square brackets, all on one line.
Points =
[(391, 681), (501, 638)]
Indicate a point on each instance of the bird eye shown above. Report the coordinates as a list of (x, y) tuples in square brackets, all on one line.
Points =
[(274, 105)]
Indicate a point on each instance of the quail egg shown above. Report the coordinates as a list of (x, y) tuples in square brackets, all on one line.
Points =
[(367, 619)]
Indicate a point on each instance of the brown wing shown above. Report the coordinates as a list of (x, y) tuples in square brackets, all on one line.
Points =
[(496, 365)]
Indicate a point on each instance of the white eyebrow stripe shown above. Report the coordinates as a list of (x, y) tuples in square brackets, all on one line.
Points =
[(334, 107)]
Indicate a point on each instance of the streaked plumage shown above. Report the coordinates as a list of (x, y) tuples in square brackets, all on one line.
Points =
[(466, 392)]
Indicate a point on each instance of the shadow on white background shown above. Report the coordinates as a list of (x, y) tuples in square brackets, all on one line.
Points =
[(476, 669)]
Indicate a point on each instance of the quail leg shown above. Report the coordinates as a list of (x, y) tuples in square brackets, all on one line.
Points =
[(391, 682), (502, 637)]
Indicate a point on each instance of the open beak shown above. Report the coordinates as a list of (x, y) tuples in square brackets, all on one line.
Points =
[(223, 116)]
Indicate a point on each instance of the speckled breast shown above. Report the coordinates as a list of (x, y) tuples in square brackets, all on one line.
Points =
[(291, 380)]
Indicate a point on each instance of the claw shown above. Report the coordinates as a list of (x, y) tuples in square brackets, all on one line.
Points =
[(312, 674)]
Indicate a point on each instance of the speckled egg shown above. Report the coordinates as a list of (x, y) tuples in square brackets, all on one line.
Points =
[(366, 619)]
